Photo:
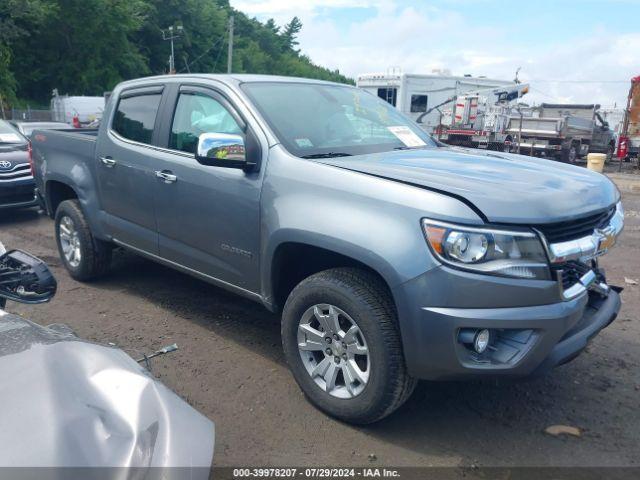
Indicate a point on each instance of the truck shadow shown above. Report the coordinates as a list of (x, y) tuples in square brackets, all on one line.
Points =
[(224, 313), (13, 218)]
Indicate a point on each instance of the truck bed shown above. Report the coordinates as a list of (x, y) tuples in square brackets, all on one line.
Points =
[(574, 127), (77, 142), (60, 151)]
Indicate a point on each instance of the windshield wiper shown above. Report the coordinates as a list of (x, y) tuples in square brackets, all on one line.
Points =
[(411, 148), (327, 155)]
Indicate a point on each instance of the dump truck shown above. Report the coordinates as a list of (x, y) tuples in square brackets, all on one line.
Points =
[(563, 131)]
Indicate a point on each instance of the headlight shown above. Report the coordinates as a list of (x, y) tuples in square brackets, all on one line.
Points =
[(488, 250)]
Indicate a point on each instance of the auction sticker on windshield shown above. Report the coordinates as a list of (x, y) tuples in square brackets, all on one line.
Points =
[(304, 142), (407, 136), (9, 138)]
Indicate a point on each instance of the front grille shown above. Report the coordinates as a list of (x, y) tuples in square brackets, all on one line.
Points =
[(565, 231), (570, 272), (18, 172)]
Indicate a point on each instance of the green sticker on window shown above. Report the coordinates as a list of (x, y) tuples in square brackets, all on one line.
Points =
[(303, 142)]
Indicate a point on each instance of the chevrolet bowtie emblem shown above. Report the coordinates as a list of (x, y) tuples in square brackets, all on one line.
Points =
[(607, 239)]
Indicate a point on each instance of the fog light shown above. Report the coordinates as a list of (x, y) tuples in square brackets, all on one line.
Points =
[(481, 341)]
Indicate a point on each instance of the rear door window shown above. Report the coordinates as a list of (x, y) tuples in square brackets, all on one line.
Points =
[(135, 117)]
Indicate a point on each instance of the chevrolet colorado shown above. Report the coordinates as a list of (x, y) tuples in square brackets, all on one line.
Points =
[(391, 257)]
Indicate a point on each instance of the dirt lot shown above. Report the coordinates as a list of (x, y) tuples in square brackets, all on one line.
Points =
[(230, 366)]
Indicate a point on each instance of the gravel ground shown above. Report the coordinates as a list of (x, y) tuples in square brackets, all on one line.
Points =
[(230, 366)]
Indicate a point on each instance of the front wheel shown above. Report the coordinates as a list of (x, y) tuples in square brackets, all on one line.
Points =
[(341, 341), (610, 152), (84, 256)]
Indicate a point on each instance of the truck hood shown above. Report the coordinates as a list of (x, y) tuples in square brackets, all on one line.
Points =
[(502, 187)]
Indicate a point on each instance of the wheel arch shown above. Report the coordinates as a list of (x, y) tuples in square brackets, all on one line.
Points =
[(56, 192), (293, 261)]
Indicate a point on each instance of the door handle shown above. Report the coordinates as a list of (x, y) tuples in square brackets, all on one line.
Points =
[(167, 176), (108, 161)]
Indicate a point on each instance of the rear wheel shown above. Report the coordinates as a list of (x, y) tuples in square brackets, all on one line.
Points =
[(340, 338), (570, 155), (84, 256)]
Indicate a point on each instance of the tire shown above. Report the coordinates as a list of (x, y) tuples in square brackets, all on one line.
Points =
[(570, 155), (361, 298), (610, 151), (507, 145), (94, 256)]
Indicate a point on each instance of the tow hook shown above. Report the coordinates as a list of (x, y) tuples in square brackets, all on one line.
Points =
[(601, 288)]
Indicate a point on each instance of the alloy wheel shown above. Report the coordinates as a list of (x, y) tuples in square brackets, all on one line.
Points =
[(70, 241), (334, 351)]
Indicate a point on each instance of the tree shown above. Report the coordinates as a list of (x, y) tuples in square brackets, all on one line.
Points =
[(290, 33), (85, 47), (17, 19)]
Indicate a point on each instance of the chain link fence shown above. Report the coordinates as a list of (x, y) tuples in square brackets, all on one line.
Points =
[(28, 114)]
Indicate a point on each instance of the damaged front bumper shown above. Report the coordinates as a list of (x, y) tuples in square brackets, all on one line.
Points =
[(525, 340)]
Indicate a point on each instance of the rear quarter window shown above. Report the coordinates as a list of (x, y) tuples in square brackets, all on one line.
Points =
[(135, 117)]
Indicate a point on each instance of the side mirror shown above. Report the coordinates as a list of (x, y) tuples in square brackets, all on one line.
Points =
[(222, 150), (25, 278)]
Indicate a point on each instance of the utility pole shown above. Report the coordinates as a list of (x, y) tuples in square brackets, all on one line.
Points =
[(171, 34), (517, 80), (230, 52)]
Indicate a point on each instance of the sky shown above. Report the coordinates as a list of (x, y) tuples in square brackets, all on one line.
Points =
[(572, 51)]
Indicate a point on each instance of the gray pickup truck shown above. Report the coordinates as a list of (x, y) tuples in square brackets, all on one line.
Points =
[(391, 257)]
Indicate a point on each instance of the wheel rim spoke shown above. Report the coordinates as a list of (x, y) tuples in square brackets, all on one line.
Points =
[(70, 241), (353, 372), (351, 334), (330, 376), (355, 349), (321, 368), (329, 321)]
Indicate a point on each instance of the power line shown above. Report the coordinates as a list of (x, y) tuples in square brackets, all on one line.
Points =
[(218, 58), (543, 93), (577, 81), (200, 56)]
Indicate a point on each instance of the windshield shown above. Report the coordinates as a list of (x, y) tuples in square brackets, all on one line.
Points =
[(314, 120), (8, 134)]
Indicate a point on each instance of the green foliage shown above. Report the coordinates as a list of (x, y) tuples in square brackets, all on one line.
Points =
[(290, 33), (85, 47)]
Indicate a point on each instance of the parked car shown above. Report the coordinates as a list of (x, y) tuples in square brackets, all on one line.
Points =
[(391, 257), (16, 179), (69, 403), (27, 128)]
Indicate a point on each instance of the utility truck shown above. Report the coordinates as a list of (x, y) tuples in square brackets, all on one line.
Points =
[(420, 96), (479, 119)]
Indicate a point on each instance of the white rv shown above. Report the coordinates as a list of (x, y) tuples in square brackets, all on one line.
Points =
[(419, 95), (86, 109)]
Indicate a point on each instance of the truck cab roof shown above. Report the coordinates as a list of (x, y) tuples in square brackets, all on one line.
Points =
[(230, 79)]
